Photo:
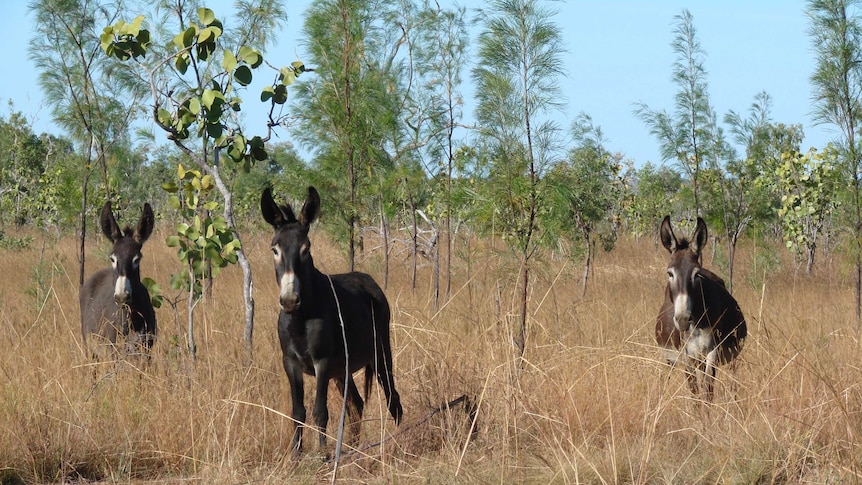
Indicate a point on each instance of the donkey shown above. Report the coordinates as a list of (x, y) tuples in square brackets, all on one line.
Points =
[(699, 321), (321, 313), (113, 300)]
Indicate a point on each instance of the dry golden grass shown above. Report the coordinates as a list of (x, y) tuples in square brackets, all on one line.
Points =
[(592, 403)]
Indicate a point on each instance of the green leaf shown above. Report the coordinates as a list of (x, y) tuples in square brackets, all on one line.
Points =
[(280, 96), (250, 56), (266, 93), (208, 98), (134, 28), (182, 63), (164, 117), (243, 75), (195, 106), (228, 61), (214, 130), (287, 76), (207, 38), (206, 16)]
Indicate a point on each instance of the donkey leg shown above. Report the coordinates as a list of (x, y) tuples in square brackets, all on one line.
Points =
[(709, 374), (387, 381), (691, 372), (297, 392), (354, 405), (321, 411)]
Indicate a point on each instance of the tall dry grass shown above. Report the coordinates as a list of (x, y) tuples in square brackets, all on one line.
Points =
[(592, 402)]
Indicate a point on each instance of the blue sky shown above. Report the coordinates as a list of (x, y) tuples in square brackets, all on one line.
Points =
[(618, 53)]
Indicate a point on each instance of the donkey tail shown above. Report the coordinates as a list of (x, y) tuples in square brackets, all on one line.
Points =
[(369, 379)]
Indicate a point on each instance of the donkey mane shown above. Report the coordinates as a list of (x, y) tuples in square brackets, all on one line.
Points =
[(682, 244)]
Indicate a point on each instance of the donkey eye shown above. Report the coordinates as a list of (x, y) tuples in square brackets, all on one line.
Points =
[(670, 274), (276, 252), (113, 261), (136, 260)]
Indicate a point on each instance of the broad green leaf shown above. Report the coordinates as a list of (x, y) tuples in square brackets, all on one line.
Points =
[(208, 98), (214, 130), (250, 56), (287, 76), (266, 93), (206, 16), (135, 27), (195, 106), (228, 61), (164, 117), (280, 96), (182, 63), (243, 75)]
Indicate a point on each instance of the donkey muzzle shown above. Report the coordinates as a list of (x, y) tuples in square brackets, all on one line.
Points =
[(288, 297), (122, 290)]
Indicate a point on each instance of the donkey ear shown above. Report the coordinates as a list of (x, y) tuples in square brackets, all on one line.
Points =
[(109, 224), (668, 240), (699, 236), (311, 207), (145, 225), (273, 214)]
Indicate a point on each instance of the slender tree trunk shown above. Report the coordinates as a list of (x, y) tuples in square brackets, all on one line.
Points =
[(436, 282), (587, 264), (82, 255), (521, 332), (731, 257), (384, 231), (413, 236), (190, 325), (242, 260), (809, 265), (346, 59), (858, 230)]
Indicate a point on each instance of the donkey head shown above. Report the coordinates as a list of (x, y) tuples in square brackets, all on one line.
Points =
[(684, 272), (291, 247), (126, 253)]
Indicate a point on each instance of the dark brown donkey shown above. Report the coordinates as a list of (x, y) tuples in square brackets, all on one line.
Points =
[(699, 321), (113, 300), (319, 313)]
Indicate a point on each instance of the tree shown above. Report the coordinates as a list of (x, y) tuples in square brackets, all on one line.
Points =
[(195, 81), (745, 199), (344, 110), (440, 52), (585, 188), (517, 83), (836, 36), (75, 77), (809, 185), (21, 165), (656, 194), (683, 135), (367, 115)]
